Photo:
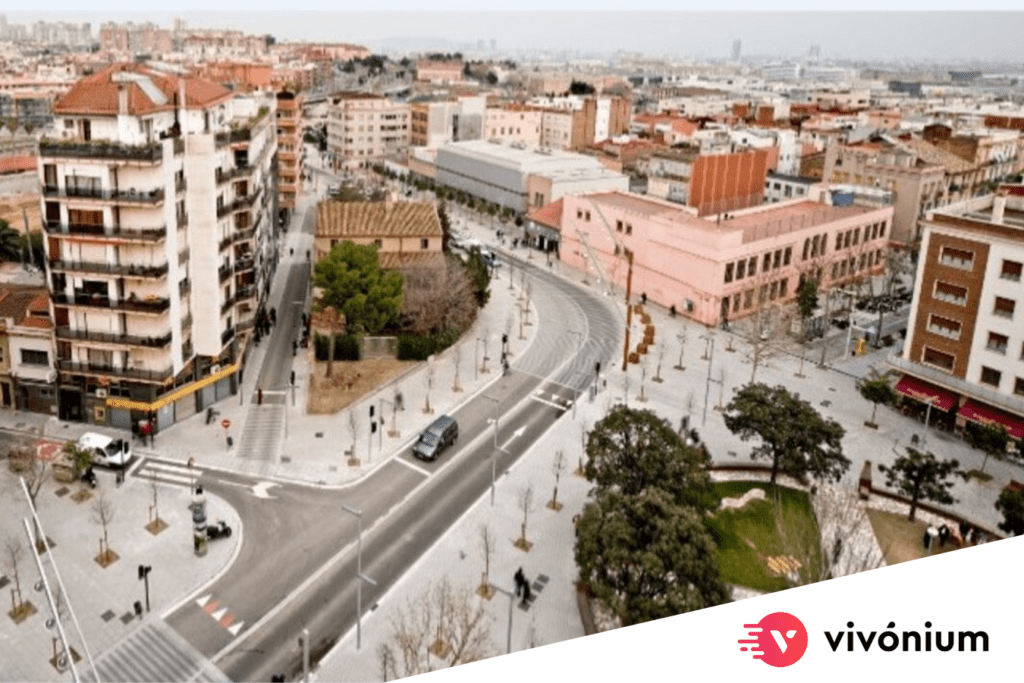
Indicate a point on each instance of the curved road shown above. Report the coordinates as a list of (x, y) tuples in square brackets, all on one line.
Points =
[(296, 567)]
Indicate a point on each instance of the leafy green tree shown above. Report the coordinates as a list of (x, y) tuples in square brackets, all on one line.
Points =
[(10, 242), (581, 88), (877, 388), (446, 227), (354, 283), (793, 435), (631, 450), (807, 298), (1011, 506), (79, 456), (32, 245), (992, 439), (921, 476), (646, 557), (479, 276)]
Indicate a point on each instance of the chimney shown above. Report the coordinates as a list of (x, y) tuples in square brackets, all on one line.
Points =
[(122, 100), (998, 208)]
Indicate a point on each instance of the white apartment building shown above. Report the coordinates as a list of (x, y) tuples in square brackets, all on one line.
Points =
[(363, 128), (158, 203), (435, 122)]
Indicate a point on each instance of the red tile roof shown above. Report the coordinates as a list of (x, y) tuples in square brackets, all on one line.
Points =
[(98, 94), (17, 164), (684, 126), (549, 215)]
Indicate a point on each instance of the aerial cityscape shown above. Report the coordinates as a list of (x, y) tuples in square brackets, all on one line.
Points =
[(348, 347)]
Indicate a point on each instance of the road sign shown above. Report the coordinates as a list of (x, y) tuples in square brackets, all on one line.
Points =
[(225, 423)]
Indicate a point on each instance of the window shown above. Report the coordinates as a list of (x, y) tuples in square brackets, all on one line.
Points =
[(767, 263), (629, 228), (938, 359), (736, 304), (1018, 386), (586, 216), (945, 327), (807, 248), (997, 342), (856, 236), (33, 357), (990, 377), (618, 226), (728, 273), (835, 271), (783, 288), (424, 243), (953, 294), (1011, 271), (881, 230), (814, 246), (773, 291), (777, 260), (741, 269), (1004, 307), (748, 298), (839, 241), (847, 236), (787, 256), (379, 243), (579, 213), (957, 258)]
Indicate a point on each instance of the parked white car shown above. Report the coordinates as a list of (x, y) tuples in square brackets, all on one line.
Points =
[(106, 450)]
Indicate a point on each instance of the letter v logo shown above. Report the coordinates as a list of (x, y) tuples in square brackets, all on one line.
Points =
[(779, 640)]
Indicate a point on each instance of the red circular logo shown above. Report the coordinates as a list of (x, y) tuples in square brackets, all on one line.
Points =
[(779, 639)]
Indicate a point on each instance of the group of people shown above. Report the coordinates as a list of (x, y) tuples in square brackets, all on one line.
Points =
[(961, 535)]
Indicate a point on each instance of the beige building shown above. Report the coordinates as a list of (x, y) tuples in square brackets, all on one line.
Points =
[(406, 234), (26, 350), (159, 206), (363, 128), (964, 354), (435, 122), (439, 73), (514, 123)]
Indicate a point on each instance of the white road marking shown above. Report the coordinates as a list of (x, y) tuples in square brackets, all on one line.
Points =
[(233, 630), (546, 402), (203, 600), (412, 466)]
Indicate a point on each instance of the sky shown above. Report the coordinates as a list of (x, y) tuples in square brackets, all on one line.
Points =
[(869, 35)]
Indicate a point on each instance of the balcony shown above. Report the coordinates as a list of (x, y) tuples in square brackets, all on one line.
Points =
[(243, 264), (113, 338), (153, 197), (100, 149), (180, 185), (185, 287), (944, 332), (153, 305), (125, 270), (233, 136), (223, 273), (123, 373), (228, 303), (227, 335), (112, 232), (243, 202), (186, 322), (958, 263), (246, 292), (237, 172)]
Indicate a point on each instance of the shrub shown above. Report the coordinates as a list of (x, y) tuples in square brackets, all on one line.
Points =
[(346, 347), (422, 346)]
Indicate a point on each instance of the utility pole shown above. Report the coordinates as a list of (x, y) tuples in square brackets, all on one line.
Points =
[(707, 387), (629, 309)]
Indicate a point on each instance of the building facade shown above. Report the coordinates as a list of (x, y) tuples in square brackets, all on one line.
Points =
[(964, 356), (158, 202), (363, 128), (290, 152)]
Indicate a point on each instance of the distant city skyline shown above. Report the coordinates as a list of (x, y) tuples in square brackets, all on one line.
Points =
[(868, 36)]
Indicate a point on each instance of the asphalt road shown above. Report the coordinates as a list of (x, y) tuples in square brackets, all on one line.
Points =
[(300, 544)]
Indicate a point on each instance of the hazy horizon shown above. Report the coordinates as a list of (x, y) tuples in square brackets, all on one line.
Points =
[(874, 36)]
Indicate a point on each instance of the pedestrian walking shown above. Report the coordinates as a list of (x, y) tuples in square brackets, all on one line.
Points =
[(526, 592), (926, 540), (520, 581), (943, 535)]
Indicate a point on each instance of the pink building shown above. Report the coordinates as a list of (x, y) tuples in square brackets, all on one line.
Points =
[(719, 268)]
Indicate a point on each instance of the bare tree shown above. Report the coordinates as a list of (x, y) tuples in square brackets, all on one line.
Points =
[(583, 448), (526, 505), (443, 627), (103, 514), (765, 330), (25, 461), (457, 364), (721, 388), (487, 546), (430, 385), (661, 357), (438, 298), (353, 430), (557, 467), (14, 552)]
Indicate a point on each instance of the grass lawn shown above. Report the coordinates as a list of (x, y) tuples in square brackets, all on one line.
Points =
[(748, 536), (901, 539)]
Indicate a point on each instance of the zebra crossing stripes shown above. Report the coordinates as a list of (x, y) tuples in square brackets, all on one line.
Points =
[(154, 652), (168, 473), (263, 432)]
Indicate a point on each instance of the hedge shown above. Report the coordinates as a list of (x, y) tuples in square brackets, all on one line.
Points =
[(421, 347), (346, 347)]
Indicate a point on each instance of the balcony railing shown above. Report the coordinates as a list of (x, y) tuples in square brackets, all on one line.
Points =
[(113, 338), (104, 369), (944, 331), (186, 322), (148, 305), (243, 264), (108, 231), (100, 149), (228, 303), (131, 196), (127, 270), (227, 335), (237, 172), (232, 136), (185, 287), (180, 185), (224, 272), (959, 263), (243, 202), (246, 292)]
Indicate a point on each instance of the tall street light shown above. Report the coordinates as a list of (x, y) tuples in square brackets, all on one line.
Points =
[(358, 514), (494, 453), (710, 339), (511, 605), (579, 348)]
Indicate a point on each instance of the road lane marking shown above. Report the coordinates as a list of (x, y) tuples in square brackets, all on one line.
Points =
[(412, 466), (546, 402)]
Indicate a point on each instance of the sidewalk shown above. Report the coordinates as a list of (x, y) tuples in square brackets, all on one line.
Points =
[(102, 598)]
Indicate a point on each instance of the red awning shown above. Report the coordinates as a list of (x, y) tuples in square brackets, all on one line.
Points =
[(979, 412), (919, 390)]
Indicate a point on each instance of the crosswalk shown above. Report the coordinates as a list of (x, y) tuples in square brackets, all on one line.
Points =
[(263, 432), (154, 652), (168, 473)]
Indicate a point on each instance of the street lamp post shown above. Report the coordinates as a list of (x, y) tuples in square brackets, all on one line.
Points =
[(358, 514), (494, 453), (511, 604), (710, 339), (579, 347)]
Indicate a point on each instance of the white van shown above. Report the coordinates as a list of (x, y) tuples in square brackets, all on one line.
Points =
[(105, 450)]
